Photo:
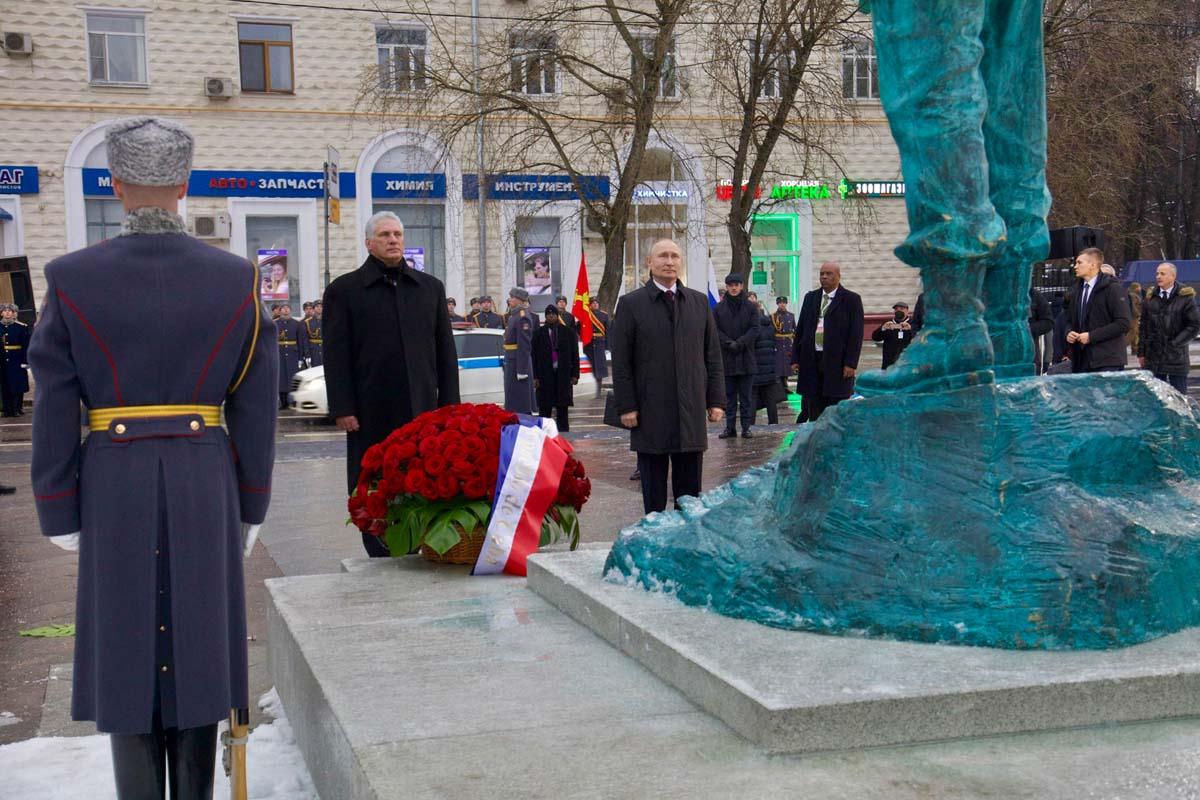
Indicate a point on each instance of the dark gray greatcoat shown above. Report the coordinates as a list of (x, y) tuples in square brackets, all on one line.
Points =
[(311, 341), (14, 339), (842, 343), (597, 349), (784, 323), (666, 366), (163, 496), (518, 361), (389, 352), (288, 333)]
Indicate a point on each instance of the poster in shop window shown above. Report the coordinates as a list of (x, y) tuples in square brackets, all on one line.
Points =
[(273, 274), (538, 274), (415, 256)]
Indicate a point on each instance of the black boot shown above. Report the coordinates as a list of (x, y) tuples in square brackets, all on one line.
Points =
[(139, 766), (728, 433), (192, 755)]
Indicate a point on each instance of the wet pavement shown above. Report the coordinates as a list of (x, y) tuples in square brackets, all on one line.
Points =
[(305, 533)]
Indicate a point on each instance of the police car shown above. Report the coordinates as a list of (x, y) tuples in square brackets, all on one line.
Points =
[(480, 373)]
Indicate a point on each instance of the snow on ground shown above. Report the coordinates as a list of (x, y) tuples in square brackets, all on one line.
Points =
[(80, 768)]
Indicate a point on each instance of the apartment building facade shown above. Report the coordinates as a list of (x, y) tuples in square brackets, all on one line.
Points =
[(269, 87)]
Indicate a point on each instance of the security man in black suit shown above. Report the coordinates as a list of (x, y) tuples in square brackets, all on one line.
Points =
[(1098, 317), (829, 336)]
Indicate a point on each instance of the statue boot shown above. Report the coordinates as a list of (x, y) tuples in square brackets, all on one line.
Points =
[(953, 349), (1006, 312)]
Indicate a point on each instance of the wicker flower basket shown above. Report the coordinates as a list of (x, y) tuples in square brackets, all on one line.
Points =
[(465, 552)]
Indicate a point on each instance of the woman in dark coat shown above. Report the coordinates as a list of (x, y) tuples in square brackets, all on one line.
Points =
[(555, 368), (768, 392)]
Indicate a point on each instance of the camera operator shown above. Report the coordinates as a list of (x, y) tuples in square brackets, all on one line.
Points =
[(895, 334)]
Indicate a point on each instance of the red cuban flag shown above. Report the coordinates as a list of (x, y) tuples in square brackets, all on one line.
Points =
[(582, 309)]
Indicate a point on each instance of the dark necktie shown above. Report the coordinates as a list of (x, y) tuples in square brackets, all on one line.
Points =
[(1163, 294), (1083, 305)]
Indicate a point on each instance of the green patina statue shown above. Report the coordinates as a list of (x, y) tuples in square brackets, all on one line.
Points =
[(969, 74)]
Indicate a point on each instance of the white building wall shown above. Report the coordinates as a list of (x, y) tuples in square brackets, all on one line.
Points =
[(46, 102)]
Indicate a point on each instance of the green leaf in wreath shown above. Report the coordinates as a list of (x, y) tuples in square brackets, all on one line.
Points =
[(480, 510), (442, 538)]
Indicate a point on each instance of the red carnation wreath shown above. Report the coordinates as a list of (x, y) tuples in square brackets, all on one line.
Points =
[(434, 478)]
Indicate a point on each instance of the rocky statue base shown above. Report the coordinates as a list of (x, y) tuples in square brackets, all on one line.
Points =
[(1048, 513)]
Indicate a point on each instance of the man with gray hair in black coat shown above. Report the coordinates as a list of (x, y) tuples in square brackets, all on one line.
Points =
[(163, 498), (388, 348), (667, 377)]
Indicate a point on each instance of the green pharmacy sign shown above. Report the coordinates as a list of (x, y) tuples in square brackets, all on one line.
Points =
[(800, 191)]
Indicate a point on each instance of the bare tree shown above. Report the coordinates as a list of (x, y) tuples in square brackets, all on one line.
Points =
[(774, 97), (572, 86), (1123, 121)]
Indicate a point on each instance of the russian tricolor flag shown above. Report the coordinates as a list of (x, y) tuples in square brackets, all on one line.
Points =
[(713, 293), (532, 457)]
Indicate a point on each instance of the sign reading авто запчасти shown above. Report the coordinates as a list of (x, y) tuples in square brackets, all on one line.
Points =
[(97, 182)]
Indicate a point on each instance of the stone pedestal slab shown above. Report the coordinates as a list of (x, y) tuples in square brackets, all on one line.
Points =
[(790, 691)]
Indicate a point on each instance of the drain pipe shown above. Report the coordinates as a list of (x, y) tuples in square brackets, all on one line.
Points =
[(481, 207)]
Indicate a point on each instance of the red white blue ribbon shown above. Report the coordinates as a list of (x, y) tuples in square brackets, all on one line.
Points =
[(532, 457)]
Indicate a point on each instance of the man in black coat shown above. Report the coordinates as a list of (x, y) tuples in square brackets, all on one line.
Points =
[(1041, 322), (389, 351), (667, 377), (1098, 317), (829, 337), (737, 326), (1169, 322), (555, 368), (895, 334)]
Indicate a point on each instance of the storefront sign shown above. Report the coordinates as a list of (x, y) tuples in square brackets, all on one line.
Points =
[(537, 187), (661, 192), (819, 190), (97, 182), (18, 180), (408, 185), (849, 188)]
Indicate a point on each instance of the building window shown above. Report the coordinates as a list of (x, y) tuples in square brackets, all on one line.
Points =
[(402, 53), (772, 69), (532, 63), (860, 72), (104, 218), (265, 50), (116, 48), (668, 79)]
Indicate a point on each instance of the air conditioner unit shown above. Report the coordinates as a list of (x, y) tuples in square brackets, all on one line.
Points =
[(591, 227), (18, 44), (211, 226), (218, 88)]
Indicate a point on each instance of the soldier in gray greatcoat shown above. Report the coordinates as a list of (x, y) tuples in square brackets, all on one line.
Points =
[(311, 339), (287, 334), (597, 350), (518, 355), (14, 361), (160, 500)]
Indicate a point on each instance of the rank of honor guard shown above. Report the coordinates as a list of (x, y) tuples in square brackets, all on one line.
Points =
[(597, 351), (311, 340), (487, 317), (287, 333), (164, 496), (14, 361)]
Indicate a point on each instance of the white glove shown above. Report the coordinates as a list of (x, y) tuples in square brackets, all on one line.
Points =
[(522, 377), (67, 541), (249, 537)]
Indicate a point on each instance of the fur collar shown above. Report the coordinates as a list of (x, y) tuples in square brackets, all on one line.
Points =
[(151, 220)]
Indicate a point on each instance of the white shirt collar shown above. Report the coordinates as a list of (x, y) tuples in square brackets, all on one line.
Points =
[(1168, 290), (665, 289), (831, 292), (1092, 283)]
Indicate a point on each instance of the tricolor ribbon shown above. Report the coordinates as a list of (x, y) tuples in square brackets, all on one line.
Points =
[(532, 457)]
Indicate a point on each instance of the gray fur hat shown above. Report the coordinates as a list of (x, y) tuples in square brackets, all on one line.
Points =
[(517, 293), (148, 151), (9, 307)]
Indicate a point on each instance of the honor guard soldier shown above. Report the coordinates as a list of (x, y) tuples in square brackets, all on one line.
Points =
[(597, 351), (475, 309), (14, 360), (287, 333), (785, 328), (566, 317), (518, 355), (311, 341), (455, 319), (164, 495), (487, 317)]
